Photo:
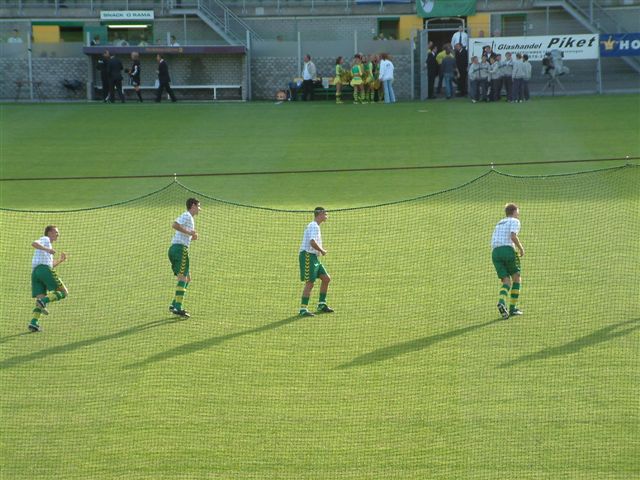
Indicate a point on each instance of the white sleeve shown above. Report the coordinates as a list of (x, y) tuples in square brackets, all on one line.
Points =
[(182, 219), (314, 232), (514, 226)]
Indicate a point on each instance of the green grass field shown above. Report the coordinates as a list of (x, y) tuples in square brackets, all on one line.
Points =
[(413, 377)]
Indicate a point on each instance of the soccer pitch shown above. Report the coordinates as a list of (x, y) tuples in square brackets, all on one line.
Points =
[(414, 376)]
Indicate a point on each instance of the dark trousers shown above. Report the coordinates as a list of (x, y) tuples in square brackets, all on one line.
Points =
[(307, 90), (474, 90), (483, 85), (496, 86), (117, 86), (508, 85), (105, 87), (462, 83), (431, 80), (517, 90), (440, 79), (165, 86), (525, 89)]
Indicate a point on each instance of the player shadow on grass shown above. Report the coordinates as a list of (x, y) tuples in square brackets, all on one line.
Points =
[(386, 353), (16, 335), (599, 336), (188, 348), (69, 347)]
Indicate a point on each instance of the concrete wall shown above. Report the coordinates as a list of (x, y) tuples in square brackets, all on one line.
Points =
[(270, 74)]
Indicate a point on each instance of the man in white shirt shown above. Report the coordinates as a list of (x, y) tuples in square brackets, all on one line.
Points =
[(46, 286), (505, 259), (184, 226), (386, 77), (308, 76), (310, 266), (15, 38), (460, 37)]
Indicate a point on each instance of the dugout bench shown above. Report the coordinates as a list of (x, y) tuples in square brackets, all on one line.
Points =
[(324, 89)]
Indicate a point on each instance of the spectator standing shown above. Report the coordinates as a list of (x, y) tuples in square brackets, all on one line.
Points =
[(432, 70), (164, 80), (527, 76), (460, 37), (448, 72), (15, 38), (96, 41), (386, 77), (507, 75), (518, 77), (115, 79), (439, 57), (173, 41), (474, 79), (462, 63), (483, 78), (103, 68), (308, 76), (495, 78)]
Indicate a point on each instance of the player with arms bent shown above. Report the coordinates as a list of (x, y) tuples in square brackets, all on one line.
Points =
[(505, 259), (184, 226), (310, 266), (46, 286)]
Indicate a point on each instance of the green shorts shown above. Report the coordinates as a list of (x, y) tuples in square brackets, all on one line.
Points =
[(44, 279), (506, 261), (310, 267), (179, 258)]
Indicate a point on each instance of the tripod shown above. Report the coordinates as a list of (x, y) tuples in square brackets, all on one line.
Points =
[(552, 82)]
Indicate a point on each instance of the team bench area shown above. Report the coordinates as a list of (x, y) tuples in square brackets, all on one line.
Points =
[(197, 72), (322, 89)]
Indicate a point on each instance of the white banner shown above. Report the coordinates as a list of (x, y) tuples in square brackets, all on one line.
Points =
[(573, 47), (127, 15)]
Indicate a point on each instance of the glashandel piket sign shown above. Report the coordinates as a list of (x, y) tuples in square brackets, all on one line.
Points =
[(573, 47)]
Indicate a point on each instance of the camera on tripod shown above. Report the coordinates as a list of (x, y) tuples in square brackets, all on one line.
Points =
[(553, 64), (553, 67)]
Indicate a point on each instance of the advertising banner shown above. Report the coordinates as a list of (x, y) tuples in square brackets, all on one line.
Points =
[(445, 8), (573, 47), (619, 44)]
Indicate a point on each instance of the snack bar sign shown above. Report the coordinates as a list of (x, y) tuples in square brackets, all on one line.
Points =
[(125, 15)]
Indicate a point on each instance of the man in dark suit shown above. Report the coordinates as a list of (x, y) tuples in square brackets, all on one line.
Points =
[(103, 68), (462, 63), (115, 78), (164, 81), (432, 69)]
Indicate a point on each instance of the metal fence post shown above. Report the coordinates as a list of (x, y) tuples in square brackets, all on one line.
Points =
[(30, 61)]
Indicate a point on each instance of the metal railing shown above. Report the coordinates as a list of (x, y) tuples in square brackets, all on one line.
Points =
[(230, 24)]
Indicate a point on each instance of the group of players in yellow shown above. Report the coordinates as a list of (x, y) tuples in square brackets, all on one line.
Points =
[(362, 75)]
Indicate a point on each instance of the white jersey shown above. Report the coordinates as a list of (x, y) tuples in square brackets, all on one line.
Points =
[(186, 221), (502, 233), (312, 232), (40, 257)]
